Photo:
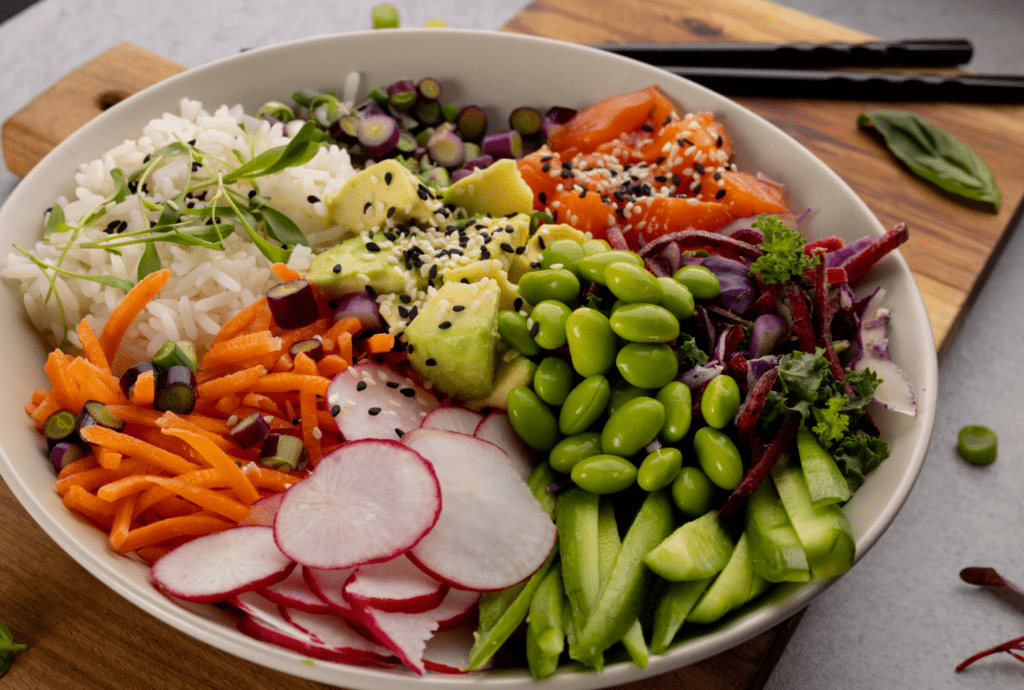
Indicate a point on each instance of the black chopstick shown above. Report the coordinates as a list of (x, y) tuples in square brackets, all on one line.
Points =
[(947, 52), (885, 86)]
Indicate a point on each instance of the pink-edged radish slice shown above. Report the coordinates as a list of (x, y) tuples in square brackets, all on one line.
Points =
[(448, 651), (405, 634), (294, 593), (299, 641), (334, 633), (395, 585), (370, 400), (329, 585), (496, 428), (365, 502), (456, 608), (268, 612), (219, 565), (452, 418), (263, 510), (895, 392), (492, 532)]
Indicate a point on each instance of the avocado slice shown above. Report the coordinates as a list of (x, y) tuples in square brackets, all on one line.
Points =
[(518, 371), (497, 190), (366, 201), (453, 340), (350, 266)]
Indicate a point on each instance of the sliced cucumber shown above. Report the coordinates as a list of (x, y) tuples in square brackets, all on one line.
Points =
[(825, 482), (698, 549), (731, 589), (672, 608), (775, 549)]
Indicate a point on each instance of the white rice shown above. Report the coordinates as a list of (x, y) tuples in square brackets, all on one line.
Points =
[(207, 287)]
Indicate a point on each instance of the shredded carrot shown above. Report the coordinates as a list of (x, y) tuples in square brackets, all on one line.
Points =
[(122, 520), (217, 458), (240, 321), (305, 366), (83, 503), (201, 496), (130, 307), (82, 464), (280, 383), (169, 420), (227, 405), (91, 385), (170, 528), (241, 347), (136, 448), (91, 345), (284, 273), (231, 383), (380, 342), (64, 386), (140, 415), (267, 478), (107, 458), (144, 390), (349, 325), (45, 408), (332, 365)]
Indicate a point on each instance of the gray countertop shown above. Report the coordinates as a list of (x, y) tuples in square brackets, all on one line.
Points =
[(901, 617)]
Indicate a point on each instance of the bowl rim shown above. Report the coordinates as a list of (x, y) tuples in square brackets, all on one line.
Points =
[(736, 629)]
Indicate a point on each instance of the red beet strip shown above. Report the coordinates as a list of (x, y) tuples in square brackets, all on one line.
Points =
[(761, 466), (857, 266), (755, 402), (615, 238), (802, 323), (823, 319), (1010, 647), (702, 239), (827, 244)]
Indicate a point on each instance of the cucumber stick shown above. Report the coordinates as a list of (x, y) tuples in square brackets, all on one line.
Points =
[(731, 589), (609, 545), (698, 549), (824, 530), (775, 549), (671, 611), (825, 482)]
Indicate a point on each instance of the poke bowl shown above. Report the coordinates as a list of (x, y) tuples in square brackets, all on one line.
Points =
[(506, 71)]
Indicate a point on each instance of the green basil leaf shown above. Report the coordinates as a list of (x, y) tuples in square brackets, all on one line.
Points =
[(150, 261), (935, 155), (55, 221), (282, 228), (299, 150)]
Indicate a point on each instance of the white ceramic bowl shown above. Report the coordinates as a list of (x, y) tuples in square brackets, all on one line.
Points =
[(499, 71)]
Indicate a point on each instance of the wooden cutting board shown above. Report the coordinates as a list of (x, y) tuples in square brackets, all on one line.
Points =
[(83, 635)]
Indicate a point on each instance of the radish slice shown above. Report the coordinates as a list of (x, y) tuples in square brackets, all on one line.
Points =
[(266, 611), (365, 502), (492, 532), (395, 585), (370, 400), (460, 419), (895, 392), (334, 633), (216, 566), (496, 428), (263, 510), (457, 607), (448, 651), (329, 585), (298, 641), (293, 592)]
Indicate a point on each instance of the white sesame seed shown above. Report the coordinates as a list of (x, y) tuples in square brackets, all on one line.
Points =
[(317, 434)]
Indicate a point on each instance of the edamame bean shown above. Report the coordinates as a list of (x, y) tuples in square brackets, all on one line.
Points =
[(676, 298), (592, 342), (531, 418), (623, 391), (557, 284), (678, 402), (552, 380), (604, 474), (514, 330), (659, 468), (632, 283), (635, 424), (549, 317), (719, 457), (592, 266), (584, 404), (700, 281), (647, 365), (566, 253), (595, 247), (720, 401), (568, 452), (644, 323), (692, 492)]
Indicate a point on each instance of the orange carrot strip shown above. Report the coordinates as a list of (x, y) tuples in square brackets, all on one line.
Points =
[(90, 501), (283, 382), (170, 506), (283, 363), (91, 385), (171, 528), (332, 365), (136, 448), (107, 458), (380, 342), (130, 307), (144, 389), (284, 273), (304, 365), (232, 383), (217, 458), (122, 520), (169, 420), (228, 404), (91, 345), (241, 347), (40, 394), (141, 415), (64, 386), (201, 496), (240, 321), (267, 478), (95, 478), (45, 407), (350, 325), (345, 347), (81, 465), (261, 402)]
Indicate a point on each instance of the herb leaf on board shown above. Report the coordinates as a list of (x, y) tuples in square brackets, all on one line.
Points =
[(935, 155)]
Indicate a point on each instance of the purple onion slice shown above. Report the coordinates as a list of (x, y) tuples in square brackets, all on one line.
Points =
[(479, 162), (361, 306), (554, 118), (293, 304), (429, 88), (378, 134), (402, 93), (175, 390), (250, 430), (445, 148)]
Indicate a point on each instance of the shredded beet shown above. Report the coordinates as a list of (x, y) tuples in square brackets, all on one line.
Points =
[(760, 467), (823, 312), (615, 238), (827, 244), (755, 402), (857, 266), (1012, 647), (690, 239), (802, 323)]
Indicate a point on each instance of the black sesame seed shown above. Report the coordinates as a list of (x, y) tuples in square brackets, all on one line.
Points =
[(332, 304), (398, 432), (458, 307), (370, 292), (361, 386), (372, 247), (719, 141), (543, 198), (485, 253), (647, 127), (335, 410), (696, 190), (546, 167), (403, 311), (433, 272), (465, 280), (312, 198), (411, 348), (698, 167), (374, 411), (337, 268), (506, 247), (405, 299), (518, 303), (535, 329), (408, 392), (661, 159), (392, 384), (720, 193), (444, 325), (366, 208), (391, 211), (296, 420), (430, 362), (521, 250), (387, 178), (566, 174), (540, 243)]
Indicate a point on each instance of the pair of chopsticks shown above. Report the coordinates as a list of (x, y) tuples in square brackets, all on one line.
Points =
[(803, 69)]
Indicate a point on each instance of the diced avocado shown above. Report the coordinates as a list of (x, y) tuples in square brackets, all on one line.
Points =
[(545, 235), (507, 291), (516, 372), (453, 340), (774, 547), (365, 202), (497, 190), (698, 549), (349, 267), (731, 589), (824, 531)]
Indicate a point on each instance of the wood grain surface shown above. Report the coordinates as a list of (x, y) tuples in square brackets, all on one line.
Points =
[(82, 635)]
